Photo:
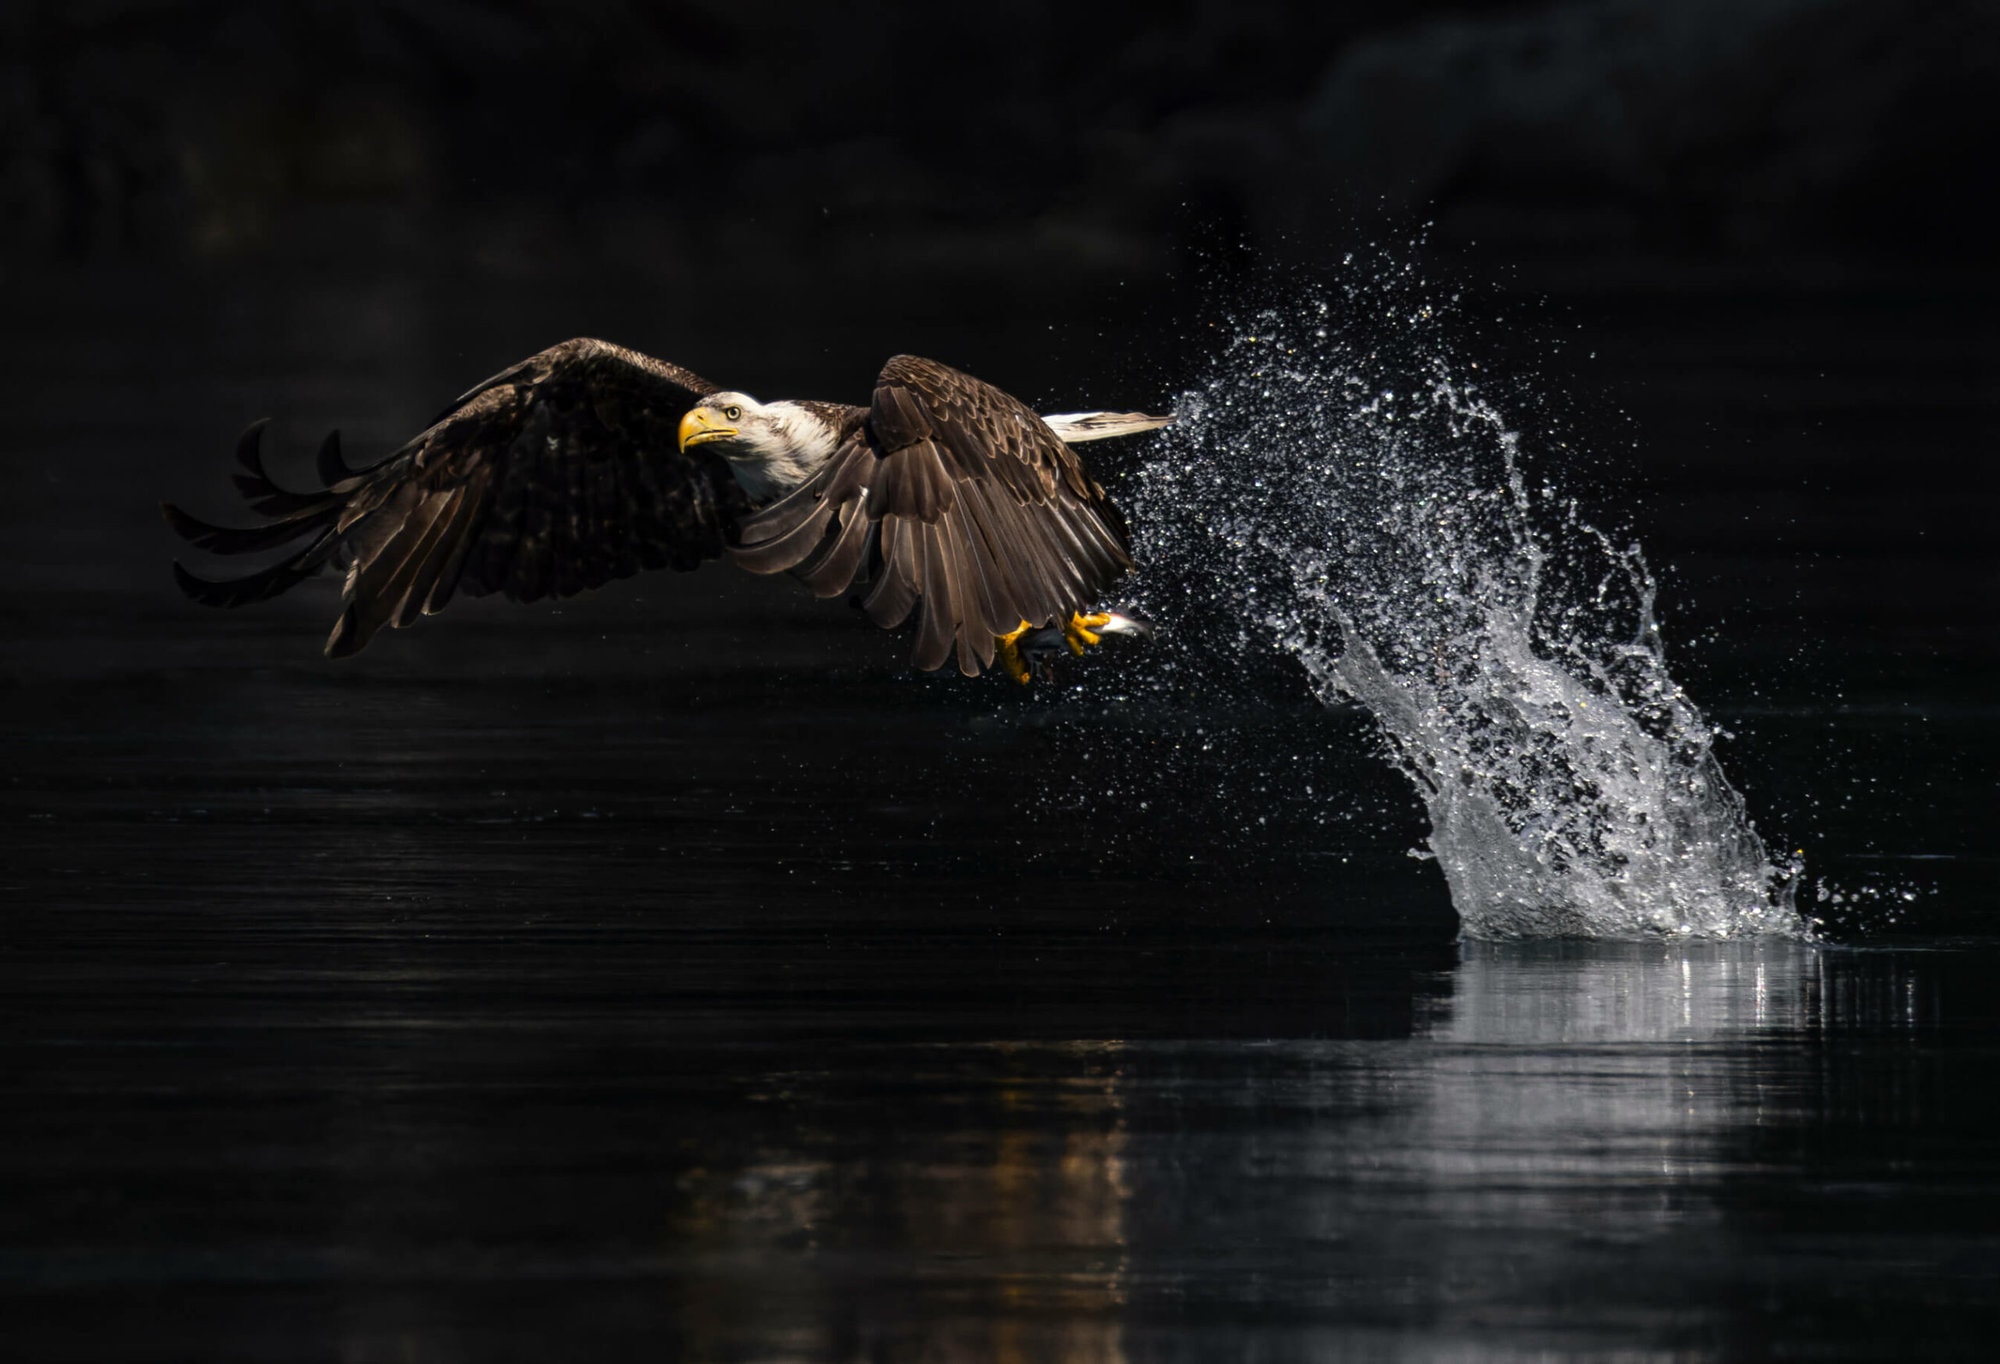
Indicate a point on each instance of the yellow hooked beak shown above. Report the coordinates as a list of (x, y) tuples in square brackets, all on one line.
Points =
[(703, 424)]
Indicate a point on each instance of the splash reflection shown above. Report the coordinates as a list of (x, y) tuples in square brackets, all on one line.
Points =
[(1566, 992), (1594, 1087)]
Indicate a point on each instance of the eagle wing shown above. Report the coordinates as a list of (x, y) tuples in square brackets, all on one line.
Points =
[(952, 500), (556, 475)]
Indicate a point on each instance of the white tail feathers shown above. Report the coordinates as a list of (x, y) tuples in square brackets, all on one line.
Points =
[(1073, 427)]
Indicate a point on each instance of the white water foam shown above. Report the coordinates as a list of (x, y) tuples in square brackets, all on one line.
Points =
[(1353, 491)]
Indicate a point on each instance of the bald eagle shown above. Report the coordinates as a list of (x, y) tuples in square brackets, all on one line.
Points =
[(944, 499)]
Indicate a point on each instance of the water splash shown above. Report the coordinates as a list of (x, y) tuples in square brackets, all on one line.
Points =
[(1344, 483)]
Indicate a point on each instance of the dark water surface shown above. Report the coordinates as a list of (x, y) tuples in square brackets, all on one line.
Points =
[(402, 1020), (671, 975)]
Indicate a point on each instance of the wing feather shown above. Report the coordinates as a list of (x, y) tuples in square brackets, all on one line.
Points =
[(935, 626), (557, 475), (830, 572), (228, 540), (451, 571), (893, 595), (979, 517)]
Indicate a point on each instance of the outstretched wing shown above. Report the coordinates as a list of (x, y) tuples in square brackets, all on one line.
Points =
[(554, 476), (952, 500)]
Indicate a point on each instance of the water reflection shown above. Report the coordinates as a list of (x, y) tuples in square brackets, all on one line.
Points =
[(1550, 1160), (1557, 993)]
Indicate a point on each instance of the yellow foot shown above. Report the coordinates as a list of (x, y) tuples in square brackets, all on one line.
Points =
[(1007, 649), (1078, 634), (1025, 652)]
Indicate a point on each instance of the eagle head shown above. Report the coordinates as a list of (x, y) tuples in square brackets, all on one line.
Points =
[(771, 447)]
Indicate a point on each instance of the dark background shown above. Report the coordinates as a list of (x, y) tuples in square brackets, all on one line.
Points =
[(671, 966), (1729, 265), (1084, 141), (1744, 247)]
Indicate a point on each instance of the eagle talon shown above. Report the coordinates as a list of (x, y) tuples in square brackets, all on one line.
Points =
[(1007, 649), (1079, 633), (1029, 654)]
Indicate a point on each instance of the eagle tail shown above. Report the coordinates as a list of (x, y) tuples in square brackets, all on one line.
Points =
[(1073, 427)]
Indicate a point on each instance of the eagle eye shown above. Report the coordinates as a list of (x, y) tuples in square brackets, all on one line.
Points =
[(733, 413)]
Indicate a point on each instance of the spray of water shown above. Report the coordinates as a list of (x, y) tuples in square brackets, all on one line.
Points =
[(1343, 485)]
